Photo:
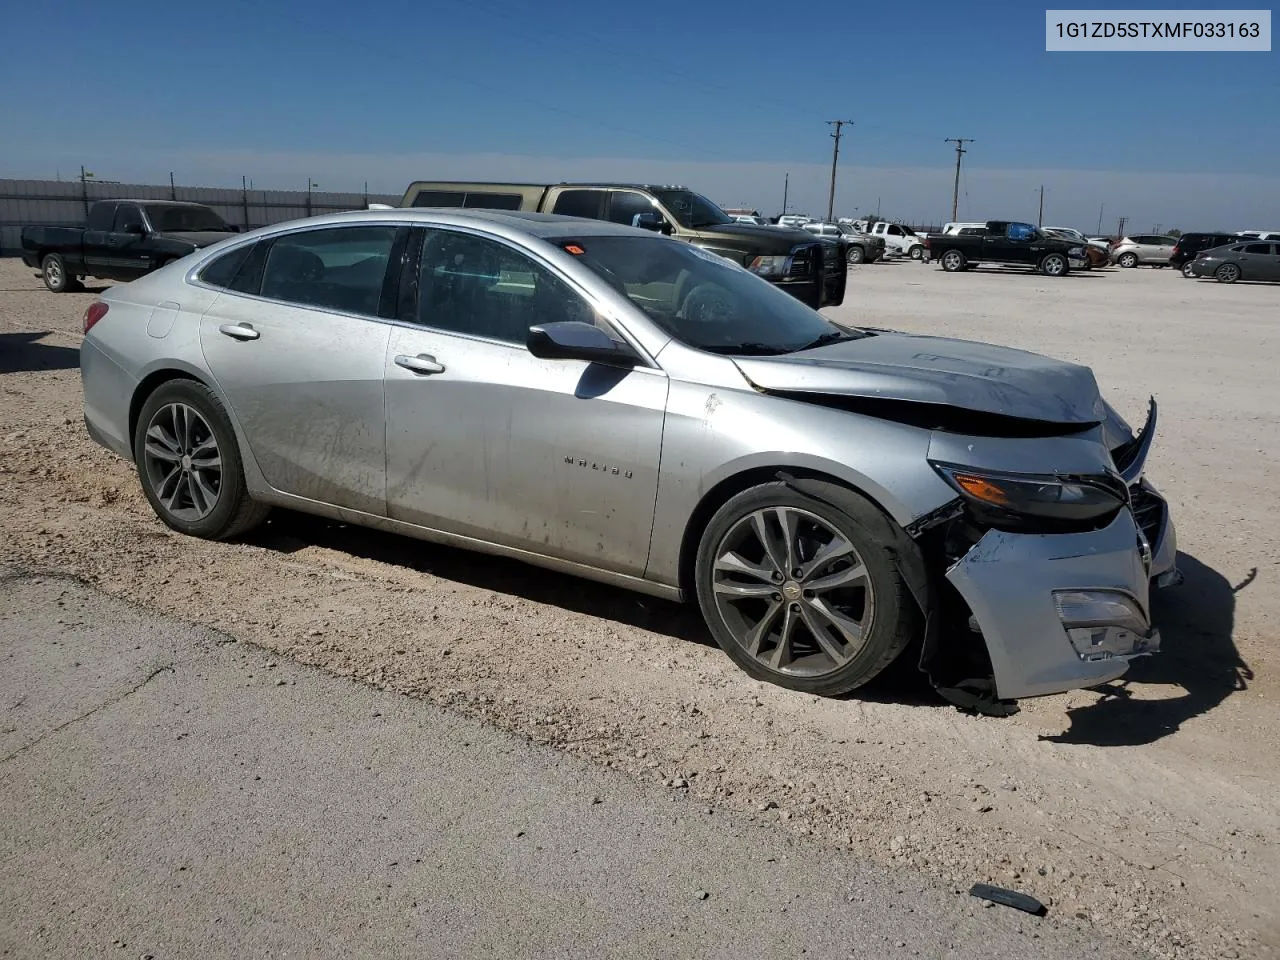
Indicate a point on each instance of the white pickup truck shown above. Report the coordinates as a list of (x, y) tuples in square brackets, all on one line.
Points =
[(899, 239)]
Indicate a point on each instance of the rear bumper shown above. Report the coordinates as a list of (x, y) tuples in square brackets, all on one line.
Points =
[(31, 258), (1009, 582), (107, 391)]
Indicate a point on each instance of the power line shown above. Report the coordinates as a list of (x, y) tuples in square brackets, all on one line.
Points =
[(835, 156), (960, 152)]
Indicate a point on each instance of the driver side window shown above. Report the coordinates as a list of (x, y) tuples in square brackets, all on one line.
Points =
[(482, 288), (1020, 231)]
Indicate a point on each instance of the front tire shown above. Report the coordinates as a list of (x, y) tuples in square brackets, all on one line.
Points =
[(1227, 273), (53, 270), (189, 463), (916, 252), (857, 255), (799, 591), (1054, 265), (1127, 260), (953, 261), (1187, 271)]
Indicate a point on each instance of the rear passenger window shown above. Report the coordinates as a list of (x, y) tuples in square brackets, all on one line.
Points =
[(580, 203), (439, 198), (127, 215), (221, 271), (477, 286), (1257, 248), (340, 268), (492, 201)]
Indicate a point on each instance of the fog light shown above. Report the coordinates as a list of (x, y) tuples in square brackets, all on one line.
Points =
[(1102, 624)]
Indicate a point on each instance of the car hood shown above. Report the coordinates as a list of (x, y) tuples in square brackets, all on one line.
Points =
[(934, 370), (201, 238), (757, 234)]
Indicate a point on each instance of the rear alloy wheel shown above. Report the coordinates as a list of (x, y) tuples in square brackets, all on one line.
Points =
[(1187, 271), (53, 270), (1227, 273), (857, 255), (799, 592), (1054, 265), (1127, 260), (953, 261), (189, 464), (916, 252)]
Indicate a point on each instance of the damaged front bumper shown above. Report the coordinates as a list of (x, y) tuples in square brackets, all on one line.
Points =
[(1061, 612)]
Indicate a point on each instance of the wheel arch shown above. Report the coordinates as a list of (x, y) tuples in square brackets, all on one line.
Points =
[(729, 487), (152, 382)]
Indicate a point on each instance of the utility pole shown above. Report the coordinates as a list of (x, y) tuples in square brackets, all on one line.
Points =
[(1100, 209), (310, 183), (85, 177), (173, 191), (1040, 217), (960, 152), (1120, 228), (244, 199), (786, 183), (835, 155)]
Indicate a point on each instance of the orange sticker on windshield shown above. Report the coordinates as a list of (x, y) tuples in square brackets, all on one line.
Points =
[(573, 248)]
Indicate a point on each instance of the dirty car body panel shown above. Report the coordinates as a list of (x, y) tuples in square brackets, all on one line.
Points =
[(410, 414)]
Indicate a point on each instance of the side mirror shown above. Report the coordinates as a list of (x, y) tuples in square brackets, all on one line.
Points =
[(575, 340), (649, 221)]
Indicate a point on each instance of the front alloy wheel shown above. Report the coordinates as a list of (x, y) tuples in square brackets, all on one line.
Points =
[(798, 592), (1054, 265), (1128, 260), (916, 253)]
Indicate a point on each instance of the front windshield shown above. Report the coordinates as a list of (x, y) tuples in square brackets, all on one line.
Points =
[(177, 219), (691, 210), (704, 300)]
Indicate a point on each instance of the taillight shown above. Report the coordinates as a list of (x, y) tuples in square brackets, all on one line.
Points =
[(97, 310)]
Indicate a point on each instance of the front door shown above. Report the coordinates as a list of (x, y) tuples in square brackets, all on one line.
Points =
[(300, 360), (558, 457)]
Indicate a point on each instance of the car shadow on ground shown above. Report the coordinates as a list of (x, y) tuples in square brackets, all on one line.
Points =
[(22, 352), (288, 532), (1197, 654)]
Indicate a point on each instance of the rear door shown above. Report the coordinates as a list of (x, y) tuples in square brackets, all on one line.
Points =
[(1257, 262), (97, 251), (578, 202), (298, 351), (484, 440), (128, 246)]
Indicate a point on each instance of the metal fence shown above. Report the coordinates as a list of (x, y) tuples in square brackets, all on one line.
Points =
[(66, 202)]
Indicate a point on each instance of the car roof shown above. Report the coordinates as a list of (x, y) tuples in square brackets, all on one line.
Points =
[(155, 203), (547, 225)]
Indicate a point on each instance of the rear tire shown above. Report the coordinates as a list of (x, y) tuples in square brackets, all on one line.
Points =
[(1227, 273), (916, 252), (826, 631), (189, 463), (1186, 271), (53, 270), (1127, 260), (953, 261)]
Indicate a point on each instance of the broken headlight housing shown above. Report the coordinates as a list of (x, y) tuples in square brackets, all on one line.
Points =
[(1102, 624), (1028, 502)]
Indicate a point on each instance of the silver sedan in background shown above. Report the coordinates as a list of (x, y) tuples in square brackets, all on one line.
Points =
[(629, 408)]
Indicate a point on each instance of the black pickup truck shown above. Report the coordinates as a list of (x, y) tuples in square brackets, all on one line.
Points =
[(1004, 241), (123, 240), (812, 269)]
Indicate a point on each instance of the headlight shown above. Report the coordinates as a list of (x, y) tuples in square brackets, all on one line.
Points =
[(1076, 252), (771, 266), (1015, 496)]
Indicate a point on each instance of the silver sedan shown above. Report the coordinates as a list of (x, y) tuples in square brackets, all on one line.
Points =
[(631, 409)]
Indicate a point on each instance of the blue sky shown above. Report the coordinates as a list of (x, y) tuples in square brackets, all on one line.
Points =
[(723, 96)]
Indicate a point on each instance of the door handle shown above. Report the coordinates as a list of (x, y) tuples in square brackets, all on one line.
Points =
[(423, 364), (239, 331)]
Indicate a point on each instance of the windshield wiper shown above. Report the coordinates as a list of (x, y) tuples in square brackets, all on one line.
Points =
[(835, 336), (747, 349)]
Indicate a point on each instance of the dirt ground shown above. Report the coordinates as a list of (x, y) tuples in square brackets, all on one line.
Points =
[(1149, 810)]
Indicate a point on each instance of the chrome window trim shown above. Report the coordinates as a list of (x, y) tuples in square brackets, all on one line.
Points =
[(192, 277)]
